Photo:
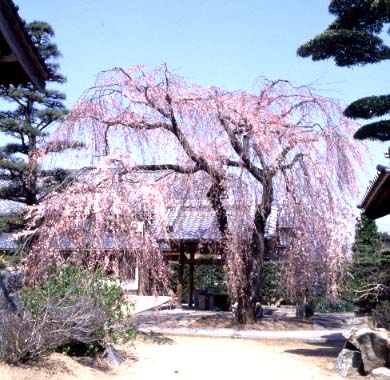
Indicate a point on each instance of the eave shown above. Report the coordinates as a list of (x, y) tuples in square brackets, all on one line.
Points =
[(376, 201), (19, 61)]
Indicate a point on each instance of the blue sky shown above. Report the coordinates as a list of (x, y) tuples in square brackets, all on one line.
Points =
[(216, 42)]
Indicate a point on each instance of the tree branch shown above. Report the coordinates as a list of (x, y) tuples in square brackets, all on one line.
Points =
[(175, 168)]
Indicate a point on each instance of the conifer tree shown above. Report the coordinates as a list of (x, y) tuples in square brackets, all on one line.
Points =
[(367, 238), (26, 123), (356, 38), (369, 275)]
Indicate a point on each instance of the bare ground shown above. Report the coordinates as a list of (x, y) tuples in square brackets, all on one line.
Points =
[(207, 319), (192, 358)]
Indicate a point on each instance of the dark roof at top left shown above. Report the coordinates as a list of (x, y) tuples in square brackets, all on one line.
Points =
[(20, 62)]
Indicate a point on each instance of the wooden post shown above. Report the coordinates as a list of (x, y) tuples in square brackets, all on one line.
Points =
[(191, 280), (179, 290)]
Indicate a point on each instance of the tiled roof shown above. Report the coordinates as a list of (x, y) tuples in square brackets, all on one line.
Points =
[(191, 222), (196, 220), (187, 220), (7, 242), (8, 207), (104, 243), (376, 201)]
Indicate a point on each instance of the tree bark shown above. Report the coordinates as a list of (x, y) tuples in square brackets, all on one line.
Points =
[(245, 312)]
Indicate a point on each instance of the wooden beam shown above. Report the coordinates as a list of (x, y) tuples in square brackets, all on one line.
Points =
[(179, 289), (8, 58), (16, 37), (205, 261), (191, 280)]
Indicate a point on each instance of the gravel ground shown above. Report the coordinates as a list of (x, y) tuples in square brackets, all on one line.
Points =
[(193, 358), (207, 357)]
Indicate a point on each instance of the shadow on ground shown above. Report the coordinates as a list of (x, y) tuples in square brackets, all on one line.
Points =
[(328, 349)]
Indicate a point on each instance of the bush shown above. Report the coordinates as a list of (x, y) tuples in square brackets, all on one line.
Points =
[(381, 315), (72, 310), (210, 277), (25, 337), (272, 288), (333, 306)]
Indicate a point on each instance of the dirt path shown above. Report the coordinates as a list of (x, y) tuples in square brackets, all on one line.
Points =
[(194, 358)]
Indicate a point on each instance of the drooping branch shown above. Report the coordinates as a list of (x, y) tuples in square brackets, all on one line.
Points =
[(164, 167), (246, 149), (241, 149), (290, 165)]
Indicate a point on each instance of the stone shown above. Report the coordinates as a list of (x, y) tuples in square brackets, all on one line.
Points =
[(10, 284), (277, 314), (373, 347), (113, 356), (349, 363), (381, 373), (351, 342), (357, 323), (259, 311)]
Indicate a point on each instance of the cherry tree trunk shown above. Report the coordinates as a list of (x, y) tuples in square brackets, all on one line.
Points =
[(245, 309)]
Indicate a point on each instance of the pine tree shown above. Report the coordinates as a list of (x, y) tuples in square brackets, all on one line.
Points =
[(369, 275), (367, 238), (27, 121), (355, 38)]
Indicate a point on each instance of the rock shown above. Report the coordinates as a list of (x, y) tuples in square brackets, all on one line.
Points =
[(351, 342), (113, 356), (357, 323), (259, 311), (373, 347), (381, 373), (349, 363), (277, 314), (10, 284)]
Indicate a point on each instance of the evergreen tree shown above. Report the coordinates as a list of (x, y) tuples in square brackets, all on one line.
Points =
[(355, 38), (367, 238), (27, 121), (368, 279)]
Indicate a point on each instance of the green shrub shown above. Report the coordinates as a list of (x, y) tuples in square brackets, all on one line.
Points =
[(210, 277), (272, 286), (4, 261), (381, 315), (72, 310), (333, 306), (72, 284)]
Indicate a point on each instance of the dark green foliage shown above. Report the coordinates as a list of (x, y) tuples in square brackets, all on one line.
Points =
[(379, 130), (368, 277), (272, 286), (11, 223), (367, 238), (347, 47), (369, 107), (81, 349), (368, 280), (206, 277), (69, 285), (27, 120), (333, 306), (3, 264), (381, 315), (73, 311), (355, 38)]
